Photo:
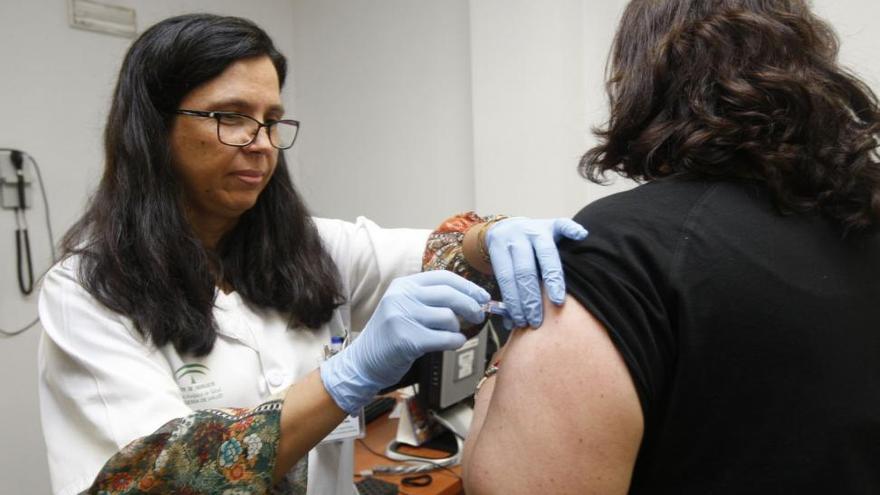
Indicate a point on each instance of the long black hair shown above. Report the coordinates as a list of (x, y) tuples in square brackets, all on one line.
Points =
[(138, 254), (747, 88)]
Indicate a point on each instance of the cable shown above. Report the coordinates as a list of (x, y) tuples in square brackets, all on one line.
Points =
[(13, 333), (417, 467), (417, 481), (45, 207), (389, 469)]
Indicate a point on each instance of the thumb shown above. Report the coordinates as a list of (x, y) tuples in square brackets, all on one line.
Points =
[(570, 229)]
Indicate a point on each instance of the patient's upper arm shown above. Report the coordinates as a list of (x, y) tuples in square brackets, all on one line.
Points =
[(564, 416)]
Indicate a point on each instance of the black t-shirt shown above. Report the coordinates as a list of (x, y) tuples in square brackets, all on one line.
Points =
[(752, 337)]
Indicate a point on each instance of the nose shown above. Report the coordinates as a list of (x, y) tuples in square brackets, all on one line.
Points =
[(261, 142)]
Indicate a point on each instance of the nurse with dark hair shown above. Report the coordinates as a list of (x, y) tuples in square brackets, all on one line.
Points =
[(184, 328), (722, 330)]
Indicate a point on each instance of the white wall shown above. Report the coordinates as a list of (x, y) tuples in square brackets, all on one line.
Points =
[(383, 93), (437, 107), (859, 39), (537, 89), (55, 86), (538, 71)]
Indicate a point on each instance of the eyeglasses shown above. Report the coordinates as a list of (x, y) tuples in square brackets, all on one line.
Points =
[(235, 129)]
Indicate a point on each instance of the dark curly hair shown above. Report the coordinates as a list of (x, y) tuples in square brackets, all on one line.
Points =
[(741, 88), (138, 254)]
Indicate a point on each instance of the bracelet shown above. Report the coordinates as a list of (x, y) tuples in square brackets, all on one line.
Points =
[(489, 373), (481, 239)]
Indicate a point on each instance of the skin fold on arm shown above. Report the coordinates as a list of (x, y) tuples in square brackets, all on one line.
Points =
[(561, 416), (308, 415)]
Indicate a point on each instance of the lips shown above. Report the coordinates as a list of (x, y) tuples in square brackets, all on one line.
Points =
[(250, 177)]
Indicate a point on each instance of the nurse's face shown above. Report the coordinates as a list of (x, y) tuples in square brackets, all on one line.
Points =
[(221, 182)]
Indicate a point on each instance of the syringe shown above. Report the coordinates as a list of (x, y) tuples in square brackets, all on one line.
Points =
[(496, 308)]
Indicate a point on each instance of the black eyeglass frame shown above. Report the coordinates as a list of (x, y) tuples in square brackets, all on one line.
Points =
[(218, 115)]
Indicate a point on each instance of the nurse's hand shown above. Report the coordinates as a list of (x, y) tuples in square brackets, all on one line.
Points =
[(513, 246), (416, 315)]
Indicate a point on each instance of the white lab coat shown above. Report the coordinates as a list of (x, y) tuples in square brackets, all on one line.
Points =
[(102, 385)]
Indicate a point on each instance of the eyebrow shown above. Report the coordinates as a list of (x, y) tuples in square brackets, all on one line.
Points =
[(239, 103)]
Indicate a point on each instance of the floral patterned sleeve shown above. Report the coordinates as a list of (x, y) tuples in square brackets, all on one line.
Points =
[(443, 250), (212, 451)]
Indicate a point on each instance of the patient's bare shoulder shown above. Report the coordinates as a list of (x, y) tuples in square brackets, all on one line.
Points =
[(563, 416)]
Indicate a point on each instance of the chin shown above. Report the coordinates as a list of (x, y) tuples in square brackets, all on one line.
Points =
[(238, 208), (242, 209)]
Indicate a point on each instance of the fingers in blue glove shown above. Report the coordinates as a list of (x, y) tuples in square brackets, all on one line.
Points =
[(443, 341), (527, 285), (416, 315), (444, 296), (551, 269), (437, 319), (568, 228), (447, 278), (548, 257), (502, 266)]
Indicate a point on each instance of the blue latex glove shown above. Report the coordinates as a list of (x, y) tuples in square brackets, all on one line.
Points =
[(513, 246), (416, 315)]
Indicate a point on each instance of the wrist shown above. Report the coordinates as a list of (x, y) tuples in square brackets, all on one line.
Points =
[(348, 388), (474, 247)]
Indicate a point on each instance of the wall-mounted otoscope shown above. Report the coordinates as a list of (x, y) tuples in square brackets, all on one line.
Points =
[(23, 257), (17, 172)]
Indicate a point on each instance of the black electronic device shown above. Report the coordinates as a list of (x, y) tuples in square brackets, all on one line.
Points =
[(375, 486), (378, 407), (446, 378)]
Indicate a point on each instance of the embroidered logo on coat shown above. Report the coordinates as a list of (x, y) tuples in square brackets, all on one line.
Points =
[(196, 384)]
